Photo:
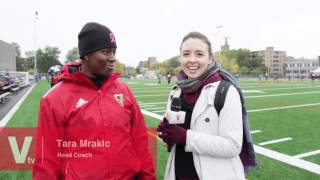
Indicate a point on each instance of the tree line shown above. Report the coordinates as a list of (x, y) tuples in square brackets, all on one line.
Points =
[(234, 61)]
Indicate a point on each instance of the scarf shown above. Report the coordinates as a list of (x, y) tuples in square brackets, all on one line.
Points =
[(192, 85), (247, 154)]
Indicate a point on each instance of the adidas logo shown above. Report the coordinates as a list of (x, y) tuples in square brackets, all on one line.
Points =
[(81, 102)]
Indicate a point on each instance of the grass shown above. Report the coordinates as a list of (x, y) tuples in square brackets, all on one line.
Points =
[(27, 114), (315, 159), (300, 124), (275, 170)]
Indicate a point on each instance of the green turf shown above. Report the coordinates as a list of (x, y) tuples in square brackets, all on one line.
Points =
[(15, 175), (301, 124), (315, 158), (279, 101), (275, 170), (26, 116), (162, 160)]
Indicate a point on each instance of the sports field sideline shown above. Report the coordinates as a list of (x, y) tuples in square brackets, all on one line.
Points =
[(284, 119)]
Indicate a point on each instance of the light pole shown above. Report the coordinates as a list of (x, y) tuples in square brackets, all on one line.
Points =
[(219, 32), (35, 47)]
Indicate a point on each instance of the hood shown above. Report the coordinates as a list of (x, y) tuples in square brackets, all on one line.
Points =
[(71, 72)]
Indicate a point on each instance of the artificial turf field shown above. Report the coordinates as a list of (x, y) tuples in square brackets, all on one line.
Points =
[(288, 111)]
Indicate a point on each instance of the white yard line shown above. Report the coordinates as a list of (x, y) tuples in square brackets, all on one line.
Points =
[(283, 107), (143, 88), (154, 108), (293, 161), (268, 85), (275, 141), (159, 111), (154, 103), (252, 91), (147, 105), (253, 110), (168, 90), (151, 114), (148, 95), (304, 87), (152, 91), (151, 84), (312, 153), (286, 94), (9, 115), (257, 90), (255, 131), (247, 97)]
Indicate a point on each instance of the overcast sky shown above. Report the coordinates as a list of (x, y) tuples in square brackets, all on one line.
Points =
[(145, 28)]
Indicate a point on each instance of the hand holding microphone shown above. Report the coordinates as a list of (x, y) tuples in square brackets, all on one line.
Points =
[(168, 130)]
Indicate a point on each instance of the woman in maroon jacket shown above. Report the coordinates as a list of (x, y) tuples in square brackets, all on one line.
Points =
[(90, 125)]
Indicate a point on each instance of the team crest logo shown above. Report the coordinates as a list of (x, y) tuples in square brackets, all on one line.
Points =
[(119, 99)]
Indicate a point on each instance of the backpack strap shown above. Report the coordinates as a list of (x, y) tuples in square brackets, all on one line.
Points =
[(221, 94), (174, 87)]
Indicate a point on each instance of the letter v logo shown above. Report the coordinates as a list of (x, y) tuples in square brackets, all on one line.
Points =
[(20, 157), (178, 117)]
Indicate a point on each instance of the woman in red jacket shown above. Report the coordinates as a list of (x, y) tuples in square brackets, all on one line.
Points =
[(90, 125)]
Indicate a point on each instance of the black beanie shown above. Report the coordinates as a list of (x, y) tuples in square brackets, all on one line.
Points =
[(93, 37)]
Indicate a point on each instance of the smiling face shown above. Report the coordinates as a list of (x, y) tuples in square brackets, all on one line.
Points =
[(194, 57), (100, 63)]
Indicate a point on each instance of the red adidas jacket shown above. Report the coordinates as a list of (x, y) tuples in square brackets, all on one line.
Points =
[(89, 133)]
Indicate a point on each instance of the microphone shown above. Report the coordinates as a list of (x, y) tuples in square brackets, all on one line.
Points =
[(175, 115), (175, 104)]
